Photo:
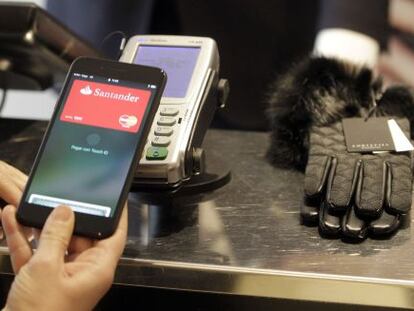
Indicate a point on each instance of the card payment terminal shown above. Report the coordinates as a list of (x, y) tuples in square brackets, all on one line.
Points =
[(193, 93)]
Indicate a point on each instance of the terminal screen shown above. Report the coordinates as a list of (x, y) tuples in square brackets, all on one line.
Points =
[(177, 62)]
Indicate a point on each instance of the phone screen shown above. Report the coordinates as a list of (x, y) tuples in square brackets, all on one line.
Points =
[(91, 145)]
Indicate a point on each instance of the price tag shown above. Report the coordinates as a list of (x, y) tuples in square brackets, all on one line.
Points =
[(374, 135)]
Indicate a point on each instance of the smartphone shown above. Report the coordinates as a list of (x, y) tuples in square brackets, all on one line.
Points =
[(93, 143)]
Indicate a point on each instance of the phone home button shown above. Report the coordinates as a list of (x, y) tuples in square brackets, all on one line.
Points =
[(93, 139)]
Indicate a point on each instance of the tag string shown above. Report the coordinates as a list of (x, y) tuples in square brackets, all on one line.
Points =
[(374, 105)]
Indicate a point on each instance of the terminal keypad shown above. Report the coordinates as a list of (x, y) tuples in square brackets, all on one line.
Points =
[(163, 133), (166, 121), (168, 112)]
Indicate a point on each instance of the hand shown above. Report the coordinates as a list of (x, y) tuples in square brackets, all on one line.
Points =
[(12, 183), (65, 273)]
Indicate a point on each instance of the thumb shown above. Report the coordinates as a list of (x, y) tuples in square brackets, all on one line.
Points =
[(56, 233)]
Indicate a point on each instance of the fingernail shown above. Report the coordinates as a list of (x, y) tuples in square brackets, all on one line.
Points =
[(62, 213)]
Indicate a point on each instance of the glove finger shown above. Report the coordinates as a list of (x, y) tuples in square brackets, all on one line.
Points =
[(371, 188), (342, 182), (309, 211), (329, 223), (316, 174), (385, 225), (399, 188), (354, 227)]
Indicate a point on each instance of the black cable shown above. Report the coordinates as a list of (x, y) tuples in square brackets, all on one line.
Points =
[(111, 34)]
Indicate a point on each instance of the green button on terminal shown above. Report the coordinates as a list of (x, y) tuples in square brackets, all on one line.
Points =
[(156, 153)]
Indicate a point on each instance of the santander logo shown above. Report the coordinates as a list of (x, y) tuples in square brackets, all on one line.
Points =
[(87, 90)]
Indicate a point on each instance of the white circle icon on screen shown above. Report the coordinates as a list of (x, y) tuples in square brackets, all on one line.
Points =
[(86, 90), (128, 121)]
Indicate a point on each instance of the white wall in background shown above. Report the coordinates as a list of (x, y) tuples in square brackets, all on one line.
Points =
[(41, 3), (33, 105)]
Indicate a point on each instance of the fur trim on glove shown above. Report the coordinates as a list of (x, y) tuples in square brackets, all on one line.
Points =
[(320, 91), (398, 101)]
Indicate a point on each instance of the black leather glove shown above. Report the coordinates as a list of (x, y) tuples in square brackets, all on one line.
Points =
[(354, 194), (347, 194)]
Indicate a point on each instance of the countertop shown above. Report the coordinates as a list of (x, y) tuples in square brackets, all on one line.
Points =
[(245, 238)]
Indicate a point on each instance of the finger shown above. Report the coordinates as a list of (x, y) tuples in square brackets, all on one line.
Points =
[(11, 170), (1, 226), (115, 244), (385, 225), (28, 233), (329, 224), (36, 234), (399, 186), (10, 173), (21, 184), (79, 244), (19, 248), (12, 183), (354, 227), (56, 234), (17, 176), (316, 174), (7, 182), (370, 192), (342, 182), (22, 177), (10, 193)]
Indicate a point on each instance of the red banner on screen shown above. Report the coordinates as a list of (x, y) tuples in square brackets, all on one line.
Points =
[(105, 105)]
